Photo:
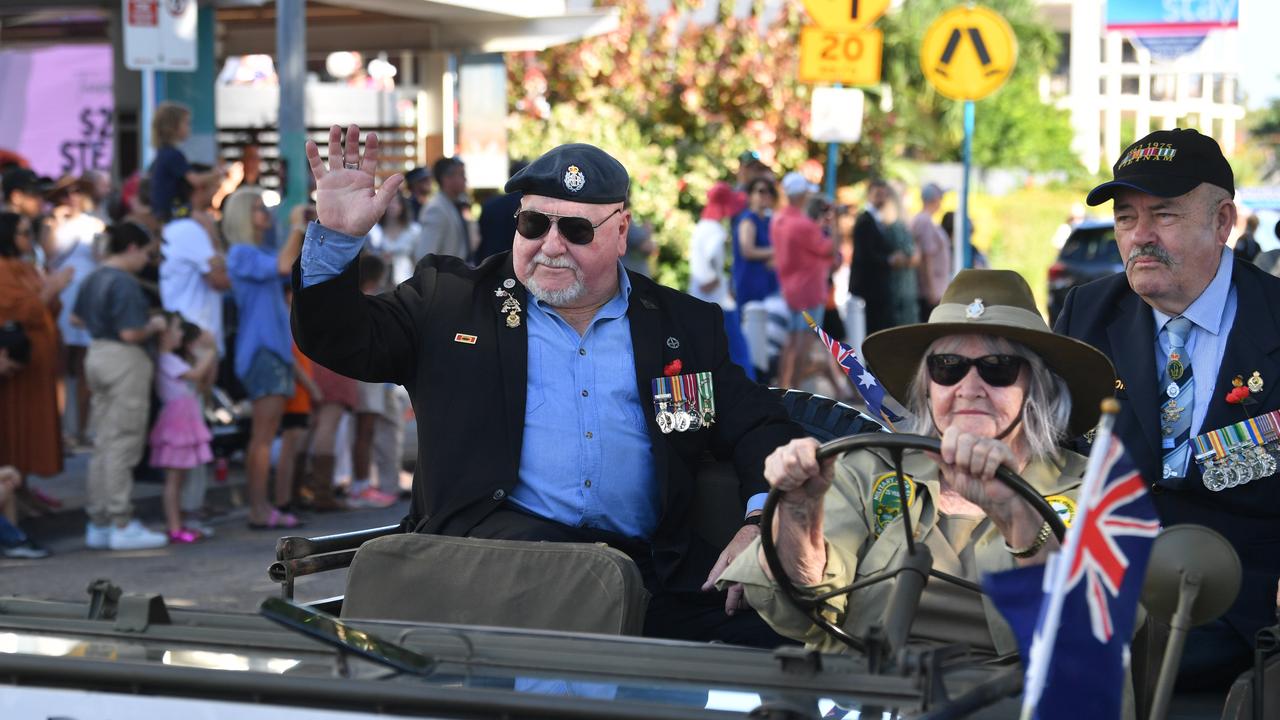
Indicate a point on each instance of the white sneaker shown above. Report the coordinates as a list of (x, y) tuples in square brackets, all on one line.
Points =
[(97, 537), (135, 537)]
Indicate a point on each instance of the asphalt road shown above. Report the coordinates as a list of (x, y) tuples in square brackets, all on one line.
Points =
[(225, 572)]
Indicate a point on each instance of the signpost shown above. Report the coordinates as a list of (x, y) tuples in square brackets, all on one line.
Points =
[(967, 54), (843, 49), (158, 35)]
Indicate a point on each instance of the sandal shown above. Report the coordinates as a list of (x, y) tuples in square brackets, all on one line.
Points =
[(185, 536), (277, 521)]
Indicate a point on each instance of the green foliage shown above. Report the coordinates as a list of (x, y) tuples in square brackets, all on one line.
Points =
[(1266, 121)]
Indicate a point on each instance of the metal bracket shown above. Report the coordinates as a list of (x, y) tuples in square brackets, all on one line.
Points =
[(929, 666), (796, 660), (103, 599), (138, 611)]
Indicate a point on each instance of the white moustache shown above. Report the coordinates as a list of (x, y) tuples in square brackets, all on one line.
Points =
[(556, 262)]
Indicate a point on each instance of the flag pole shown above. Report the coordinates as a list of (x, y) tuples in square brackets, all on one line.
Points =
[(1058, 567)]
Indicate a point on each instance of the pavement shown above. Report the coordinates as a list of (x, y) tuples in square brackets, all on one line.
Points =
[(69, 488)]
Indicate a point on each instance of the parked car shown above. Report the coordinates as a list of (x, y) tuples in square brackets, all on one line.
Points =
[(1089, 253)]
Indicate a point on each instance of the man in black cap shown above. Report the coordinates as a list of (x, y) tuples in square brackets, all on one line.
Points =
[(559, 397), (24, 192), (1186, 325), (418, 180)]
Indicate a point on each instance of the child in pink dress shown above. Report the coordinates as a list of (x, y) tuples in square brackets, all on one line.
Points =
[(180, 439)]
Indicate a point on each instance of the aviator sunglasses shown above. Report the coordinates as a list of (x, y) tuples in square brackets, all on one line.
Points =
[(577, 230), (995, 370)]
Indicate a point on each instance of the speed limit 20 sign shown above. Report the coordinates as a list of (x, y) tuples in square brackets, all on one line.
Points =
[(842, 48), (834, 56)]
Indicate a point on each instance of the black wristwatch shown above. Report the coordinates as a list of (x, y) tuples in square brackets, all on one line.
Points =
[(752, 519)]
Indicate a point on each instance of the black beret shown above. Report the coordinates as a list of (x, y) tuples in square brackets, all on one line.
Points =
[(578, 172)]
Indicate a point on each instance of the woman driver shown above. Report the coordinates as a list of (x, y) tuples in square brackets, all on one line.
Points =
[(988, 377)]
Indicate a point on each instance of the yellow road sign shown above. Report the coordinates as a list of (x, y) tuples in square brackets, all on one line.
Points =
[(968, 53), (835, 56), (845, 14)]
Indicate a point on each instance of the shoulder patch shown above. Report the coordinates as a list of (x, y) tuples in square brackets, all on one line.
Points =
[(885, 501), (1064, 506)]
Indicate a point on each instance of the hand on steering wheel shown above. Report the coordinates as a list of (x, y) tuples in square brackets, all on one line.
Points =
[(895, 444)]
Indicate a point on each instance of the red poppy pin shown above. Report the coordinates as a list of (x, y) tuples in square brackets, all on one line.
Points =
[(672, 368)]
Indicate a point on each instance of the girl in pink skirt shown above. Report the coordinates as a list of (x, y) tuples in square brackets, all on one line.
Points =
[(180, 439)]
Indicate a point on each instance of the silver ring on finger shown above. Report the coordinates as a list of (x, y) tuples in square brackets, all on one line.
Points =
[(351, 165)]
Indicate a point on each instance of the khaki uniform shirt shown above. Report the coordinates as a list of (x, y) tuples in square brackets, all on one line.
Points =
[(864, 537)]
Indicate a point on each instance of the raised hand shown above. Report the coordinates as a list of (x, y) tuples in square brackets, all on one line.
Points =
[(346, 199)]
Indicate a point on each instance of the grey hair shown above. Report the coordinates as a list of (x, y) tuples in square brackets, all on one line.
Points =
[(1046, 409)]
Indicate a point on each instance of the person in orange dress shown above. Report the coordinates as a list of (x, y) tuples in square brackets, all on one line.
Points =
[(30, 436)]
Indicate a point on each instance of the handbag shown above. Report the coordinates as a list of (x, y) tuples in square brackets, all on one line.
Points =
[(14, 340)]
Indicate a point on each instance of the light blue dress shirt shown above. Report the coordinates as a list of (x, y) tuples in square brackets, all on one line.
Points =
[(1212, 316), (587, 460), (326, 253)]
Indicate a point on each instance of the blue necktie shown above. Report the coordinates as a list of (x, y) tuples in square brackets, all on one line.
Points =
[(1177, 392)]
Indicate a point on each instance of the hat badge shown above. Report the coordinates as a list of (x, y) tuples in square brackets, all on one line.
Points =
[(574, 179), (975, 309)]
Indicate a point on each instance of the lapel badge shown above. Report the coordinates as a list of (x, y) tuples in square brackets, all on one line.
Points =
[(673, 343), (464, 338), (510, 305), (508, 283), (975, 309), (1255, 382), (1237, 381), (574, 179)]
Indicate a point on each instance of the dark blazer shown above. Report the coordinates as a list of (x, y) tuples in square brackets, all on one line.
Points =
[(1107, 314), (869, 274), (470, 398)]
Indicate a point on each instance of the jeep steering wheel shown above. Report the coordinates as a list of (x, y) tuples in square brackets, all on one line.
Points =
[(895, 444)]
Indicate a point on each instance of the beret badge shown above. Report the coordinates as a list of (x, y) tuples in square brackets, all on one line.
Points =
[(573, 179)]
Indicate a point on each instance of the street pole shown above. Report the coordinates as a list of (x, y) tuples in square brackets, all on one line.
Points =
[(833, 151), (291, 68), (144, 117), (963, 250)]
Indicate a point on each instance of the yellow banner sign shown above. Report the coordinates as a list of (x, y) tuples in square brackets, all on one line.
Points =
[(845, 14), (835, 56), (968, 53)]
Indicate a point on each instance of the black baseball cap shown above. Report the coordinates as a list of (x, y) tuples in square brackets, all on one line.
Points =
[(26, 181), (578, 172), (1167, 163)]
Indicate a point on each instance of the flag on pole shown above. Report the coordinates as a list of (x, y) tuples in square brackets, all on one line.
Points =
[(868, 386), (1074, 616)]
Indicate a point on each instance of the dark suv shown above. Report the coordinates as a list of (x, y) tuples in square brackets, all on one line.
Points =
[(1089, 253)]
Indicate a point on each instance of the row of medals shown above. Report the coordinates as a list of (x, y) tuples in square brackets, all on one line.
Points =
[(1244, 461), (682, 418)]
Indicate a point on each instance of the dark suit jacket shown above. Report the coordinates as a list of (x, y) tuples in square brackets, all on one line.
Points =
[(470, 398), (870, 271), (1107, 314)]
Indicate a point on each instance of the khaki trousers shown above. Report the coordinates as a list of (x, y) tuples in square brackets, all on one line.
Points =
[(119, 376)]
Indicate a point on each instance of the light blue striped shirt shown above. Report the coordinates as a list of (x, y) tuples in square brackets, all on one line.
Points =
[(1212, 316)]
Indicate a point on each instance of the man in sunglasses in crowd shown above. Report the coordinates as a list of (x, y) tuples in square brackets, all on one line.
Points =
[(559, 397), (1189, 327)]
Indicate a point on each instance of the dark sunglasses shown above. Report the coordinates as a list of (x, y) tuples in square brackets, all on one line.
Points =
[(995, 370), (577, 230)]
